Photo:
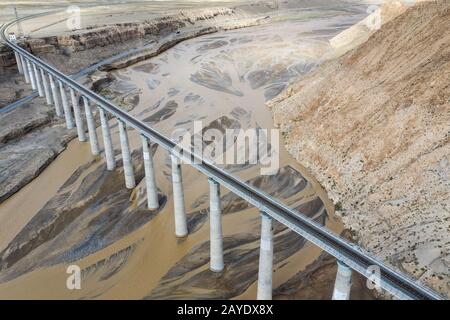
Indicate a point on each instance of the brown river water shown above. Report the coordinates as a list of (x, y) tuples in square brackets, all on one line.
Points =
[(223, 80)]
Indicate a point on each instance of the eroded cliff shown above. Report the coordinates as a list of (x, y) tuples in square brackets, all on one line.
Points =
[(373, 127)]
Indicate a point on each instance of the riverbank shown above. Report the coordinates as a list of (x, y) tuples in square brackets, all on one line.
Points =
[(381, 149)]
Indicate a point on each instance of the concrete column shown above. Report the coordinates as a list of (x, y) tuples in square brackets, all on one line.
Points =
[(55, 97), (265, 259), (215, 227), (178, 199), (78, 118), (109, 151), (128, 170), (91, 127), (19, 62), (66, 107), (152, 190), (38, 80), (48, 96), (26, 73), (31, 74), (343, 282)]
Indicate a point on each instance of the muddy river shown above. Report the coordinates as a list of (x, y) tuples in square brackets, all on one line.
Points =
[(85, 217)]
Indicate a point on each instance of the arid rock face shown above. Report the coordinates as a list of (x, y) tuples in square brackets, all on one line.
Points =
[(89, 212), (106, 35), (6, 56), (373, 127)]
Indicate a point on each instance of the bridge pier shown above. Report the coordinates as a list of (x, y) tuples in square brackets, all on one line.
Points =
[(215, 227), (343, 283), (93, 140), (264, 291), (18, 62), (38, 80), (128, 170), (109, 151), (152, 190), (56, 101), (66, 107), (31, 74), (178, 198), (48, 96), (25, 69), (78, 118)]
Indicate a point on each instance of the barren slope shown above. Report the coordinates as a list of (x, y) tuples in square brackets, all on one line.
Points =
[(374, 128)]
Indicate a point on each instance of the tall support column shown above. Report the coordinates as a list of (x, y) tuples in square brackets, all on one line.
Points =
[(178, 199), (152, 190), (31, 74), (19, 62), (215, 227), (55, 97), (91, 127), (343, 282), (38, 80), (128, 170), (26, 73), (265, 259), (78, 118), (48, 96), (109, 151), (66, 107)]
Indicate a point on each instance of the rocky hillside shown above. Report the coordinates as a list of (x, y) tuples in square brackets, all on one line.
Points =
[(374, 127)]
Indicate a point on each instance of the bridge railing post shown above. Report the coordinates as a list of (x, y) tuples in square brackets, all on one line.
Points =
[(48, 96), (215, 220), (178, 198), (78, 118), (152, 190), (66, 106), (107, 142), (93, 140), (343, 283), (25, 69), (38, 79), (264, 291), (128, 170), (55, 96), (31, 74)]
